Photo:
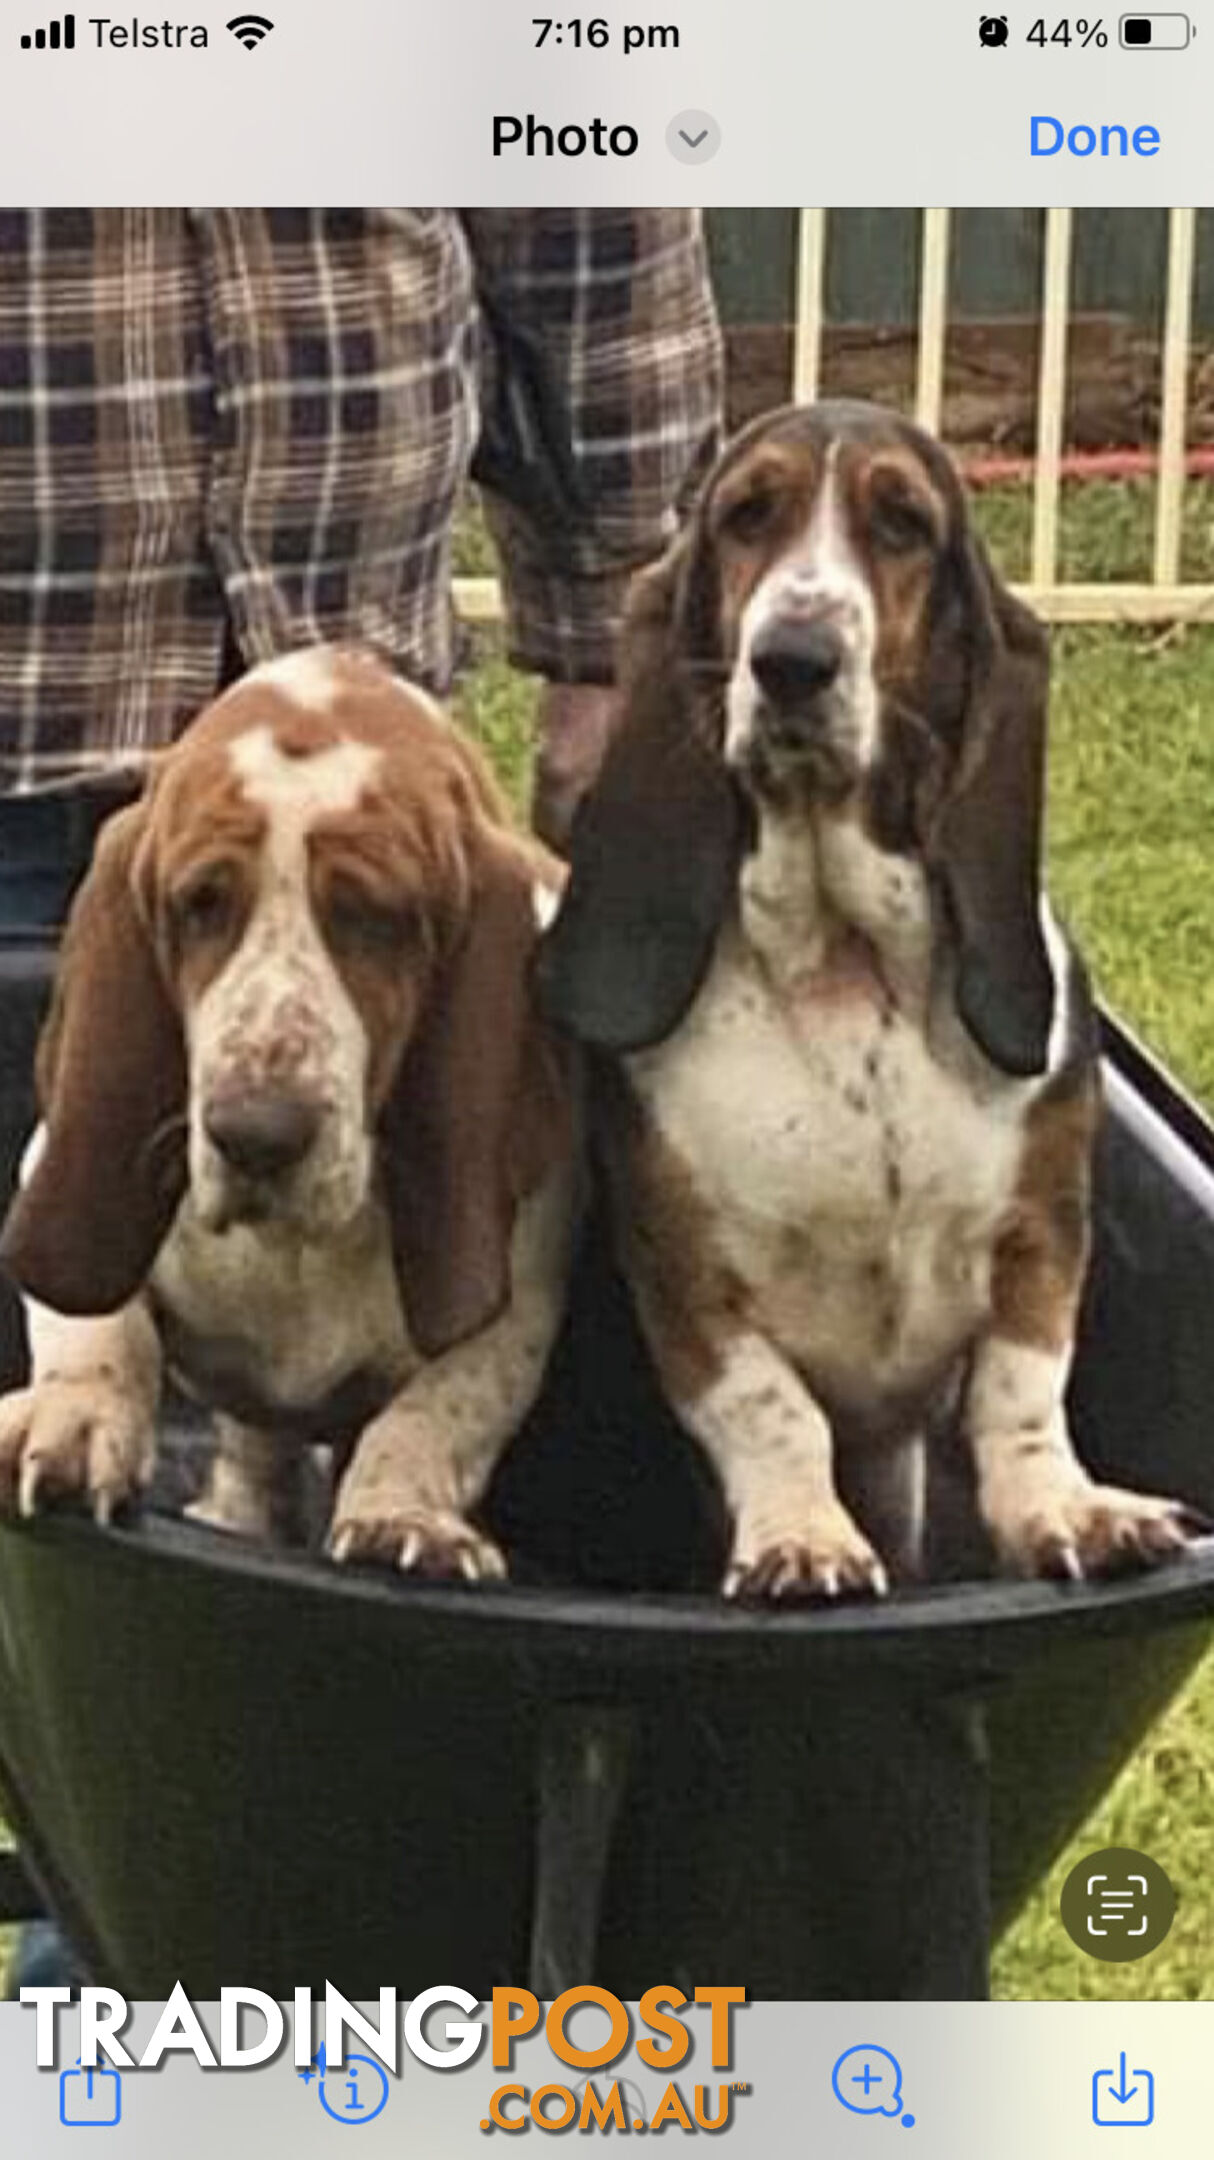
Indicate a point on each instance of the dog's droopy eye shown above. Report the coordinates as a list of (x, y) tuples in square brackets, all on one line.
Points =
[(899, 521), (751, 515), (354, 917), (204, 906)]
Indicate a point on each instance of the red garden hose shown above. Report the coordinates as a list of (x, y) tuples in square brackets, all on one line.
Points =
[(990, 470)]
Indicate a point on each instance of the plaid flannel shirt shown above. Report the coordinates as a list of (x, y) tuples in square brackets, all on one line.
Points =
[(232, 432)]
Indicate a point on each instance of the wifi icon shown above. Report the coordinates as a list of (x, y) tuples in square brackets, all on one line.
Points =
[(250, 29)]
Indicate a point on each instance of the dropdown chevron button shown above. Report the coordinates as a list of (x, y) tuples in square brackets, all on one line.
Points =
[(693, 137)]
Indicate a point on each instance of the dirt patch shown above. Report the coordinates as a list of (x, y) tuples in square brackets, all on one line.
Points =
[(990, 389)]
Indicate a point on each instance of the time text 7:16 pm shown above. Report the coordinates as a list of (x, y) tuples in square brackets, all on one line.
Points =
[(596, 32)]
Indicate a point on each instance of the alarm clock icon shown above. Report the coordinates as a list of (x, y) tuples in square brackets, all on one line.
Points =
[(992, 30)]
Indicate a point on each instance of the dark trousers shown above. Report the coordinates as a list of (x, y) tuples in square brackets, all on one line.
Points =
[(46, 845)]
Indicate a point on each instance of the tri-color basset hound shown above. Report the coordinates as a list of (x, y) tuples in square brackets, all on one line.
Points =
[(304, 1140), (850, 1103)]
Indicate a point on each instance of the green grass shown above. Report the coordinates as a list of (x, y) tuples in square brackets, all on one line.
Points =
[(1105, 529), (1130, 827), (497, 706), (1131, 822)]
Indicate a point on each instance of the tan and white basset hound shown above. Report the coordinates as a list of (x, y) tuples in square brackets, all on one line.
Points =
[(850, 1105), (304, 1140)]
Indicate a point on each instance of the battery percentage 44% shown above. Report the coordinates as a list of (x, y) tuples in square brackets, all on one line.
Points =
[(1066, 32)]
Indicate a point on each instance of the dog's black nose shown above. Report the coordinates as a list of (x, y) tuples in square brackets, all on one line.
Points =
[(262, 1134), (794, 661)]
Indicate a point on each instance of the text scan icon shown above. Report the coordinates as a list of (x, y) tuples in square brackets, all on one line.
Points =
[(1117, 1904), (1109, 1909)]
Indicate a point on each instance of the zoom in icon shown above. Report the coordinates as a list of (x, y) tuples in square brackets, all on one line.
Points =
[(867, 2080)]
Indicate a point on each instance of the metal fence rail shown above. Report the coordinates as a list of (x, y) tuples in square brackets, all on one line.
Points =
[(1166, 597)]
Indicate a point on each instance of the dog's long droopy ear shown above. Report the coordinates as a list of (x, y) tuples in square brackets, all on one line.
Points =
[(85, 1227), (988, 841), (656, 845), (477, 1111)]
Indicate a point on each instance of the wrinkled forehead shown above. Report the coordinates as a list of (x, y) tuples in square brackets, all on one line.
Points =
[(264, 759), (836, 448), (295, 785)]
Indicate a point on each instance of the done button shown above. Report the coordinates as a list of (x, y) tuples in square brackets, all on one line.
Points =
[(1109, 138)]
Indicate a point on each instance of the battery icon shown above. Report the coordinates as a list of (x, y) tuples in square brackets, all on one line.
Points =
[(1156, 33)]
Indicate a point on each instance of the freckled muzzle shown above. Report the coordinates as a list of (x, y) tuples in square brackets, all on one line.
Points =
[(279, 1128), (802, 703), (802, 699)]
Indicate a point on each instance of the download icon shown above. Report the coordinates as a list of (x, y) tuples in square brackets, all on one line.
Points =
[(1123, 2099)]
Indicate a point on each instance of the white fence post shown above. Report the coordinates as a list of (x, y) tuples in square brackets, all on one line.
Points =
[(1178, 308), (933, 319), (1051, 395), (810, 299)]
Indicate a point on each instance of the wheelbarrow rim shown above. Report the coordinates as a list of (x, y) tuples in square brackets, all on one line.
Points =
[(964, 1631)]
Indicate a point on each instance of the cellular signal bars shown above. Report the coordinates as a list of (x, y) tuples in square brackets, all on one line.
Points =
[(56, 35)]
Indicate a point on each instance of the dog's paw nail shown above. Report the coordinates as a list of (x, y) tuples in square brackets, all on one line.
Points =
[(31, 1476), (341, 1545), (410, 1552)]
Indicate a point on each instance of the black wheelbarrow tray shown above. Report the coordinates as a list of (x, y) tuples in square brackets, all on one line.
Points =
[(230, 1766)]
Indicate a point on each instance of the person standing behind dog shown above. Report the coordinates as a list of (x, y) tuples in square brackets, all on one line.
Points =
[(228, 433)]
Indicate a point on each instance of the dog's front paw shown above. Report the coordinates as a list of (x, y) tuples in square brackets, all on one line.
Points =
[(433, 1542), (74, 1439), (822, 1556), (1069, 1527)]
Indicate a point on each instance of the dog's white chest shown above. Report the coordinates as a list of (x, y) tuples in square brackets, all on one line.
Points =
[(852, 1183), (289, 1320)]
